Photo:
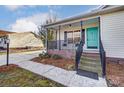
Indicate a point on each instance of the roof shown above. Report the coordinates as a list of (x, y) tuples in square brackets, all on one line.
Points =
[(101, 10), (24, 34), (3, 32)]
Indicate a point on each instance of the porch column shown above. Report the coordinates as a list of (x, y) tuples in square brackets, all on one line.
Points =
[(56, 39), (46, 40), (81, 23), (59, 38)]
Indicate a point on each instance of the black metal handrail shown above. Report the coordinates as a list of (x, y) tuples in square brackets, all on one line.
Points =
[(103, 58), (79, 51)]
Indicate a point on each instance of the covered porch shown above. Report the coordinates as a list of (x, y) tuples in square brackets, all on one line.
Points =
[(67, 37), (67, 43)]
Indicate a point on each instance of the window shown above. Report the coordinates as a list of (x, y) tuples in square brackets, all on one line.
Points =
[(72, 36), (77, 36), (65, 36)]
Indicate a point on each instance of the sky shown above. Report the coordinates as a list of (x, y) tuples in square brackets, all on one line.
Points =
[(23, 18)]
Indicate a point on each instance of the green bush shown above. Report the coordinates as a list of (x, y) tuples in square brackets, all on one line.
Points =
[(55, 56), (44, 55)]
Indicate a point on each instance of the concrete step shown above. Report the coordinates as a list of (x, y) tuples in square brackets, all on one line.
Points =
[(90, 59), (96, 69), (90, 63), (91, 54)]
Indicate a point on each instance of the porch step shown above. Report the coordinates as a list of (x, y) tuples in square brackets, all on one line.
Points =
[(91, 69), (91, 55), (91, 62), (90, 59)]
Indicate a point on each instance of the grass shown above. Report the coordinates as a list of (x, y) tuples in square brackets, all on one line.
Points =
[(18, 77)]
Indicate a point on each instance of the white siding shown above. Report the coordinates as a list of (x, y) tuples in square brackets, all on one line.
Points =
[(112, 33)]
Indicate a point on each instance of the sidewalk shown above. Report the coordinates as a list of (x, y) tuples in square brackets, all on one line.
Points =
[(67, 78)]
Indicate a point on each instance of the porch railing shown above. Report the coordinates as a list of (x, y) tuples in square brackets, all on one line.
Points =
[(103, 59), (52, 45), (79, 51)]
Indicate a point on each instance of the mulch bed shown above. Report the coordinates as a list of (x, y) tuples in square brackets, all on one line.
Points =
[(115, 74), (6, 68), (67, 64)]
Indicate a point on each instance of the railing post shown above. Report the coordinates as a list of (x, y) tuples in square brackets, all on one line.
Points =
[(104, 64), (81, 22)]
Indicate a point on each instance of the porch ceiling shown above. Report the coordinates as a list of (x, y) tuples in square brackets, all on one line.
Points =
[(85, 22)]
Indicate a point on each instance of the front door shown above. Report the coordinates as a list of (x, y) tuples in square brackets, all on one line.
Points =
[(92, 38)]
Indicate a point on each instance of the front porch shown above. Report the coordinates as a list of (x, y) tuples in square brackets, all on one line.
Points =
[(67, 37)]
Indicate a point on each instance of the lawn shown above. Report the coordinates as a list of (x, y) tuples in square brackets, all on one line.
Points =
[(14, 76)]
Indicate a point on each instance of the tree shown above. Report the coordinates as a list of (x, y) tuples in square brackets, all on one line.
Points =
[(42, 30)]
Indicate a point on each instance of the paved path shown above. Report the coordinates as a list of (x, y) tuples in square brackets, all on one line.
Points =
[(67, 78)]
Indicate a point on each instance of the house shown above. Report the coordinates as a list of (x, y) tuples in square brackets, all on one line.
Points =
[(21, 40), (25, 40), (102, 33)]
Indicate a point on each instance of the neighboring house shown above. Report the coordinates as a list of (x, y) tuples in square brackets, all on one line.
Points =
[(101, 30), (20, 40), (25, 40)]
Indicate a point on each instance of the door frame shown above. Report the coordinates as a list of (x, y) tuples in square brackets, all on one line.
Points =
[(86, 39)]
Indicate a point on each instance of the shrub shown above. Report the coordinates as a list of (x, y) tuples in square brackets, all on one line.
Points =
[(55, 56), (44, 55)]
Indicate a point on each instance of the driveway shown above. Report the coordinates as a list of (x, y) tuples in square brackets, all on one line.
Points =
[(67, 78), (19, 57)]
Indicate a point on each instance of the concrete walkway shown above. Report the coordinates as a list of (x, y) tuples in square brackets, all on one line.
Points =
[(67, 78)]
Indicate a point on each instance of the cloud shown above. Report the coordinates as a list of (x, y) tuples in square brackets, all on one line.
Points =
[(29, 23), (24, 25), (13, 7), (16, 7)]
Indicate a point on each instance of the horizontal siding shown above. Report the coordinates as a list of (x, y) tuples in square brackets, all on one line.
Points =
[(112, 34)]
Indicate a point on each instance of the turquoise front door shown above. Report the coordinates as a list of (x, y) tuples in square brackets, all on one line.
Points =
[(92, 38)]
